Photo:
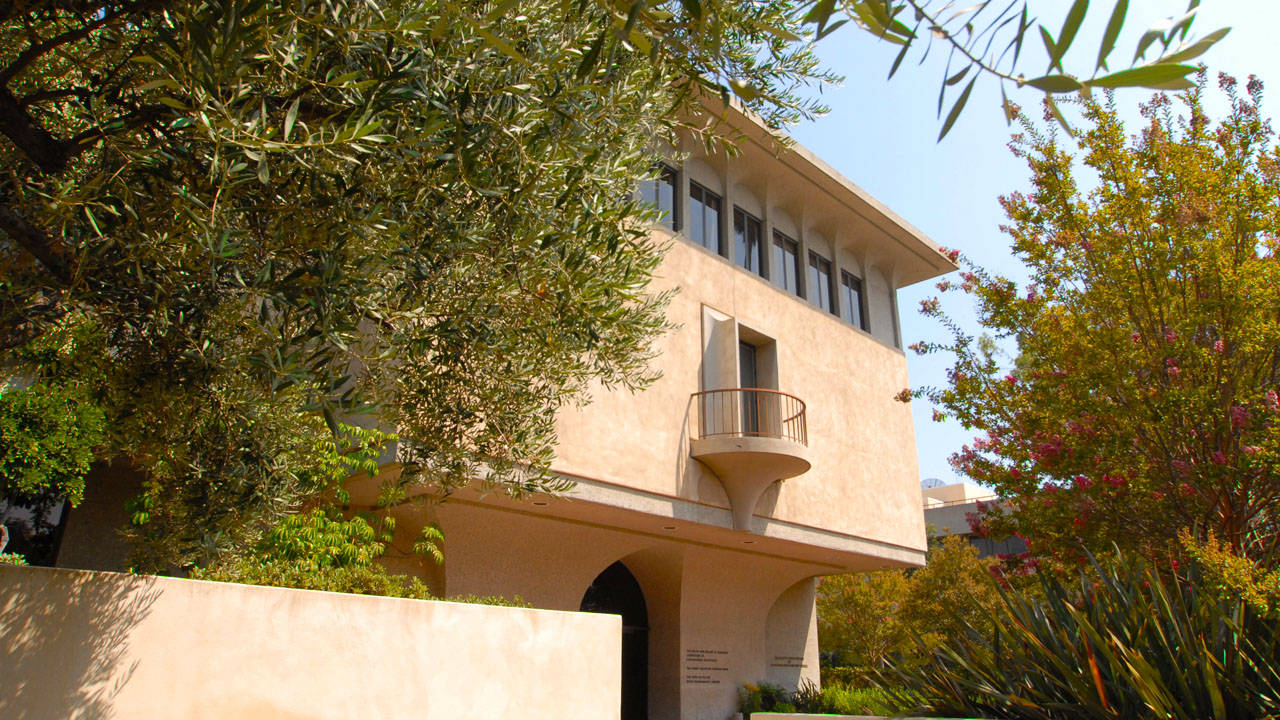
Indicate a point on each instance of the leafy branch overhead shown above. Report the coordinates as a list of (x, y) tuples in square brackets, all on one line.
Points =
[(988, 38), (250, 228)]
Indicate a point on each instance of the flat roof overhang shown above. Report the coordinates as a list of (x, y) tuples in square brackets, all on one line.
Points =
[(843, 209)]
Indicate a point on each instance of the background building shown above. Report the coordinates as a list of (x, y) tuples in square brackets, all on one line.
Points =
[(947, 509)]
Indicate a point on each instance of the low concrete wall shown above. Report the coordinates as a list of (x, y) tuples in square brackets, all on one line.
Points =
[(91, 645)]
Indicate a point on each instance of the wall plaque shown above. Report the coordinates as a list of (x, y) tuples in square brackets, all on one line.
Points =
[(705, 667)]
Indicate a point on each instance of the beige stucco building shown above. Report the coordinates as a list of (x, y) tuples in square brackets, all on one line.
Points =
[(770, 452), (704, 512)]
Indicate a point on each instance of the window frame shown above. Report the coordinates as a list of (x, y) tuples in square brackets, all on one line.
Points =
[(860, 313), (816, 262), (783, 243), (720, 245), (747, 218), (664, 174)]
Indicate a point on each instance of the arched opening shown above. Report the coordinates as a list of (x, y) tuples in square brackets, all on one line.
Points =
[(615, 591), (791, 637)]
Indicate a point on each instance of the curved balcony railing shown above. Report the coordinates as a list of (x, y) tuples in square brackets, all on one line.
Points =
[(751, 412)]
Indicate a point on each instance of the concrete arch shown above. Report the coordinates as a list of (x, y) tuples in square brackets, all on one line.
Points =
[(791, 636), (659, 571)]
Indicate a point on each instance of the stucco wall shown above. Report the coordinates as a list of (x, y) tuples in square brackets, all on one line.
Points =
[(864, 480), (717, 618), (77, 644)]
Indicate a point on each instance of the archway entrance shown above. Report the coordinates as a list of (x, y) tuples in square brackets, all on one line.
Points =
[(615, 591)]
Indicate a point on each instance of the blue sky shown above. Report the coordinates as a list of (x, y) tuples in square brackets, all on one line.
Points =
[(881, 134)]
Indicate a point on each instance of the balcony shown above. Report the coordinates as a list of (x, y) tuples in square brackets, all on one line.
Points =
[(750, 438)]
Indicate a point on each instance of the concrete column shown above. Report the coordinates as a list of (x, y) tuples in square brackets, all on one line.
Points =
[(730, 177)]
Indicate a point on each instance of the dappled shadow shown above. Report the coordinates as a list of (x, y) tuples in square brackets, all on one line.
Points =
[(63, 637)]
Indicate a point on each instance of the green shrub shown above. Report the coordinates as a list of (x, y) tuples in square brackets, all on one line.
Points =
[(47, 438), (842, 700), (1127, 641), (370, 579), (832, 699), (12, 559), (762, 697), (321, 550)]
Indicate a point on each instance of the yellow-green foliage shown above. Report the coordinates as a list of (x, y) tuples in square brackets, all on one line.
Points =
[(867, 619), (47, 438), (1231, 576)]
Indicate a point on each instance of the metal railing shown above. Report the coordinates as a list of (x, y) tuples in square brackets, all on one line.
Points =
[(751, 412), (931, 503)]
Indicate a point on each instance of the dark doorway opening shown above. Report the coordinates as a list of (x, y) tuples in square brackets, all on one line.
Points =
[(615, 591), (748, 378)]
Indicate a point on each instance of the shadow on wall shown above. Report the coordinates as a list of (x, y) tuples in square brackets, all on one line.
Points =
[(62, 656)]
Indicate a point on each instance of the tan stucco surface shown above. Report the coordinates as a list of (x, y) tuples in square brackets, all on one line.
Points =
[(864, 478), (718, 618), (76, 644)]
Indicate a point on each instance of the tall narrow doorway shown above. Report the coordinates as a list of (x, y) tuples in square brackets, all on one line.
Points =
[(616, 591), (748, 378)]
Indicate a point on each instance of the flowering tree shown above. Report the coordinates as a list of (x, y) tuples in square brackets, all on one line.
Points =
[(1143, 398)]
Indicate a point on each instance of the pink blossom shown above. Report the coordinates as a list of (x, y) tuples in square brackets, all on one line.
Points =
[(1135, 337), (1218, 346), (1239, 416), (1083, 482), (1219, 458), (1273, 400), (1170, 335), (1250, 449)]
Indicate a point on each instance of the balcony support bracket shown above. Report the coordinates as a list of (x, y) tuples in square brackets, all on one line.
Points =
[(747, 466)]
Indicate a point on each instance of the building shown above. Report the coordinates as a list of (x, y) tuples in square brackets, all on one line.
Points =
[(947, 509), (771, 452)]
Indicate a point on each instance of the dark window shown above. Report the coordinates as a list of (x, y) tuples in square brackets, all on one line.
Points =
[(851, 301), (747, 232), (747, 378), (820, 281), (786, 262), (660, 192), (704, 218)]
